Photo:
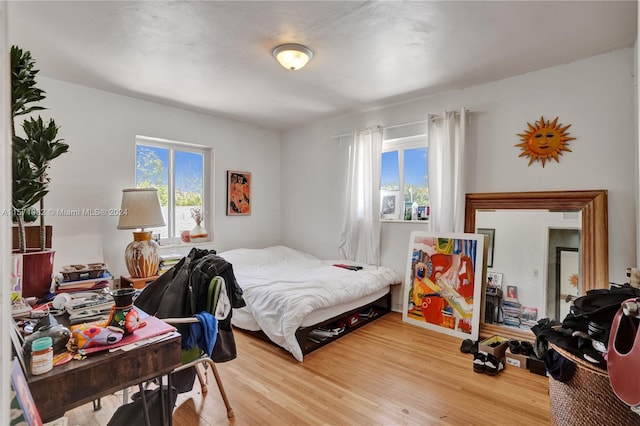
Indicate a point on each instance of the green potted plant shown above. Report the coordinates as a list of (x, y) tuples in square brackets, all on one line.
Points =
[(32, 154)]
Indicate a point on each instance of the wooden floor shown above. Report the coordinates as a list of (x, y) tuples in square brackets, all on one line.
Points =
[(385, 373)]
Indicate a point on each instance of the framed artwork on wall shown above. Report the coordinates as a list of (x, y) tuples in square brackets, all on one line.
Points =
[(238, 193), (494, 279), (491, 233), (443, 283)]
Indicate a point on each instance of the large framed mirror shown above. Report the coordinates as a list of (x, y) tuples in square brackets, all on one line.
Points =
[(574, 222)]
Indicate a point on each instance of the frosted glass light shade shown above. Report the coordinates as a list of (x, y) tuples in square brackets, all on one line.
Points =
[(140, 208), (292, 56)]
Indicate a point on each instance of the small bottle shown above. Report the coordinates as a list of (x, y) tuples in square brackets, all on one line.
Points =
[(414, 211), (41, 355)]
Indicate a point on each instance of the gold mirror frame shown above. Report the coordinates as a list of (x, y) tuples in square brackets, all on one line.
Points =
[(595, 239)]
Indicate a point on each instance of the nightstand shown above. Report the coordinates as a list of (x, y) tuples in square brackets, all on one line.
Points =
[(128, 281)]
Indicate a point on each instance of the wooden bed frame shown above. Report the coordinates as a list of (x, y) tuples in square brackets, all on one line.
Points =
[(352, 320)]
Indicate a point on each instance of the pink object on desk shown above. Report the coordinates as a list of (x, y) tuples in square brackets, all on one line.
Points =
[(154, 327)]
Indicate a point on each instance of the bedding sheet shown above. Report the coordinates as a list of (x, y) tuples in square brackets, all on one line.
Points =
[(282, 285)]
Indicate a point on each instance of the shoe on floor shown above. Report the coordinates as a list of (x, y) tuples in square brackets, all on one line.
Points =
[(479, 360), (527, 348), (493, 365), (467, 345)]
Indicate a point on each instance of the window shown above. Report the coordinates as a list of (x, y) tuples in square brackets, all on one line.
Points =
[(181, 172), (404, 170)]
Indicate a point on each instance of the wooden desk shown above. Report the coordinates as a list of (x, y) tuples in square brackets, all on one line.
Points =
[(79, 382)]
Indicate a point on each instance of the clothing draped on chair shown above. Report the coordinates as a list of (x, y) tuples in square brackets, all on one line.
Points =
[(360, 237), (181, 292), (446, 145)]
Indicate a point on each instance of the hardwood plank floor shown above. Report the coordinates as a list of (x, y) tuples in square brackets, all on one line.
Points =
[(385, 373)]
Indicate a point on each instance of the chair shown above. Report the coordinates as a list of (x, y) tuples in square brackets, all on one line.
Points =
[(196, 357)]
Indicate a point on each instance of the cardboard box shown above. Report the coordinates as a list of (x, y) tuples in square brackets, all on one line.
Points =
[(499, 346), (516, 360)]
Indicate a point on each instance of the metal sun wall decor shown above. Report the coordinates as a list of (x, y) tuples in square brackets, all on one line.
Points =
[(544, 141)]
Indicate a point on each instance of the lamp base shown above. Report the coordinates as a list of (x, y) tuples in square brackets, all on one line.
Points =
[(141, 255)]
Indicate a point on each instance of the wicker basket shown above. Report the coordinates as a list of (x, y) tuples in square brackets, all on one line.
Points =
[(587, 398)]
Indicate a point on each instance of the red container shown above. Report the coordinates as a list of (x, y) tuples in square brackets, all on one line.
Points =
[(37, 270)]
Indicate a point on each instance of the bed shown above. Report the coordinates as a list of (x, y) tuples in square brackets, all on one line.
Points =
[(292, 296)]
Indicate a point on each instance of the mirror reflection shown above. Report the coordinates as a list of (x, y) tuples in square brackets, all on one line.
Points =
[(533, 268)]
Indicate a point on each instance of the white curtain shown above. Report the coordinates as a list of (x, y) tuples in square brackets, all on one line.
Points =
[(360, 238), (446, 136)]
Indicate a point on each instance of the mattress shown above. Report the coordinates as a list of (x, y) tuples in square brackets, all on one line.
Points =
[(286, 289), (242, 318)]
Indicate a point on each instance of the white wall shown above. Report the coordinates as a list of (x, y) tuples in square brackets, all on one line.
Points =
[(521, 250), (595, 95), (101, 127)]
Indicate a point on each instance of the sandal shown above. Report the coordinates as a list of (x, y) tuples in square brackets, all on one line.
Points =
[(479, 360), (493, 365)]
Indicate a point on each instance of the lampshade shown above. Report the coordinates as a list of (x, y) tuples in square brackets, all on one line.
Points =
[(292, 56), (141, 209)]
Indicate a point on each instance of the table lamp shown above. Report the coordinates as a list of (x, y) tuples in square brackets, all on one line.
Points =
[(141, 209)]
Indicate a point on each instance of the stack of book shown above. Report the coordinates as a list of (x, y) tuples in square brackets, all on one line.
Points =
[(512, 311), (168, 261), (67, 286), (91, 307)]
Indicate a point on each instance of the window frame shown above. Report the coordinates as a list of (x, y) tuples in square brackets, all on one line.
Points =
[(207, 182), (401, 144)]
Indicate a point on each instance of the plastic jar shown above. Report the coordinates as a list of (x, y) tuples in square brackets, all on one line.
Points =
[(41, 355)]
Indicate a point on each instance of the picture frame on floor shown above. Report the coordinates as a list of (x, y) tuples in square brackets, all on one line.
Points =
[(443, 282)]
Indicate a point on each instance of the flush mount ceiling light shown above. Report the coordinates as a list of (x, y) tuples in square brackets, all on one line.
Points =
[(292, 56)]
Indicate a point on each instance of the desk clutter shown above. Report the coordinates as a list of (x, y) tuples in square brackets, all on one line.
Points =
[(83, 322), (76, 278), (62, 376)]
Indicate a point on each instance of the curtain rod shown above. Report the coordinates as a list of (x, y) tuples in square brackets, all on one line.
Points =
[(410, 123)]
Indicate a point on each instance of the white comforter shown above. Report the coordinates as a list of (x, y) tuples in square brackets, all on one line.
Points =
[(282, 285)]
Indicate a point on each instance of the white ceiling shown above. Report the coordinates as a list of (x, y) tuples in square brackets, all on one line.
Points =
[(215, 57)]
